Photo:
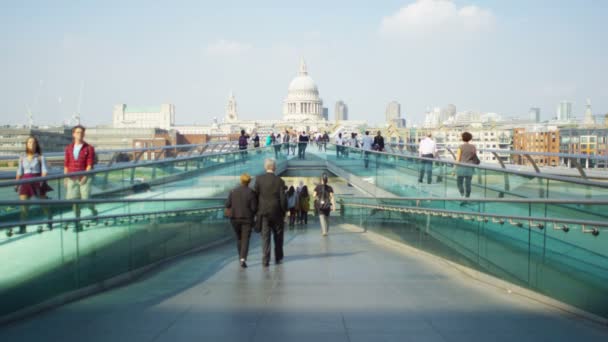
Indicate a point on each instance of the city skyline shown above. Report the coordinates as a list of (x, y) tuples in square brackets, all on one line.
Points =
[(482, 56)]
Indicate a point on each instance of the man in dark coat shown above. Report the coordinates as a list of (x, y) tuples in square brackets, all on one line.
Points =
[(270, 189), (379, 142), (243, 204)]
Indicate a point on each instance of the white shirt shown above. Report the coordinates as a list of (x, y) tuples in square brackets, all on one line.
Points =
[(338, 141), (367, 143), (427, 146)]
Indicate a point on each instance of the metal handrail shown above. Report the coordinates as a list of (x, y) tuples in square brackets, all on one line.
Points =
[(462, 214), (492, 168), (520, 152), (129, 150), (188, 158), (109, 200), (116, 168), (485, 200), (4, 225), (348, 199)]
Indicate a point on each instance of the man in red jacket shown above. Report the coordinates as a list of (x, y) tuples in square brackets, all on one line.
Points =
[(79, 156)]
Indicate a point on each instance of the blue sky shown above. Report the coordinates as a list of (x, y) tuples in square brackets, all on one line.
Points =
[(491, 56)]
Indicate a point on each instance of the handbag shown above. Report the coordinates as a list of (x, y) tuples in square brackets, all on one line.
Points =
[(475, 159), (45, 187)]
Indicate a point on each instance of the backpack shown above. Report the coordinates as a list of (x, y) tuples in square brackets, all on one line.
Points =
[(243, 141)]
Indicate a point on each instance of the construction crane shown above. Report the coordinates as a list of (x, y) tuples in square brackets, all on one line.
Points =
[(76, 117)]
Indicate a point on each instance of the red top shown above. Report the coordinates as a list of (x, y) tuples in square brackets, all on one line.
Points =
[(86, 157)]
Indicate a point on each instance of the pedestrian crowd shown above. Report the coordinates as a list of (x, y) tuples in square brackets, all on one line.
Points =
[(265, 207)]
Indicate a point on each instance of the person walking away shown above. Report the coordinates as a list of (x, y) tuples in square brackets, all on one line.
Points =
[(354, 143), (303, 142), (319, 140), (291, 205), (277, 146), (79, 156), (467, 154), (243, 143), (286, 138), (304, 205), (298, 190), (243, 204), (427, 149), (272, 206), (32, 164), (293, 142), (268, 140), (256, 140), (324, 202), (379, 142), (367, 144), (345, 143), (324, 141)]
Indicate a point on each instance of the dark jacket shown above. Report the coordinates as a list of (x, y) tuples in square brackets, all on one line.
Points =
[(270, 189), (243, 202), (379, 140)]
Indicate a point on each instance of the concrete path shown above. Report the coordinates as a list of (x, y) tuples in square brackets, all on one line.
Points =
[(346, 287)]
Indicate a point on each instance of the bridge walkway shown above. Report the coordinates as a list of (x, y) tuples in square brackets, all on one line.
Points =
[(350, 286)]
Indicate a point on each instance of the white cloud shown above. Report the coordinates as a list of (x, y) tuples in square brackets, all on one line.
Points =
[(227, 48), (426, 18)]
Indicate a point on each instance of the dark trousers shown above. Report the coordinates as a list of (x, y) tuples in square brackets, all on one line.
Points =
[(303, 217), (276, 228), (426, 166), (277, 151), (465, 189), (301, 150), (242, 230), (292, 216)]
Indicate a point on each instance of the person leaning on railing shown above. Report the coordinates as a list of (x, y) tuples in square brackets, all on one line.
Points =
[(32, 164), (79, 156), (427, 149), (467, 154)]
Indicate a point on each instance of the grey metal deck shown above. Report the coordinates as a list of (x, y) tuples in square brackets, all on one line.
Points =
[(346, 287)]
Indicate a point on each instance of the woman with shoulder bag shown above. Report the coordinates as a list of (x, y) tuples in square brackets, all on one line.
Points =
[(324, 203), (32, 164), (467, 154)]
